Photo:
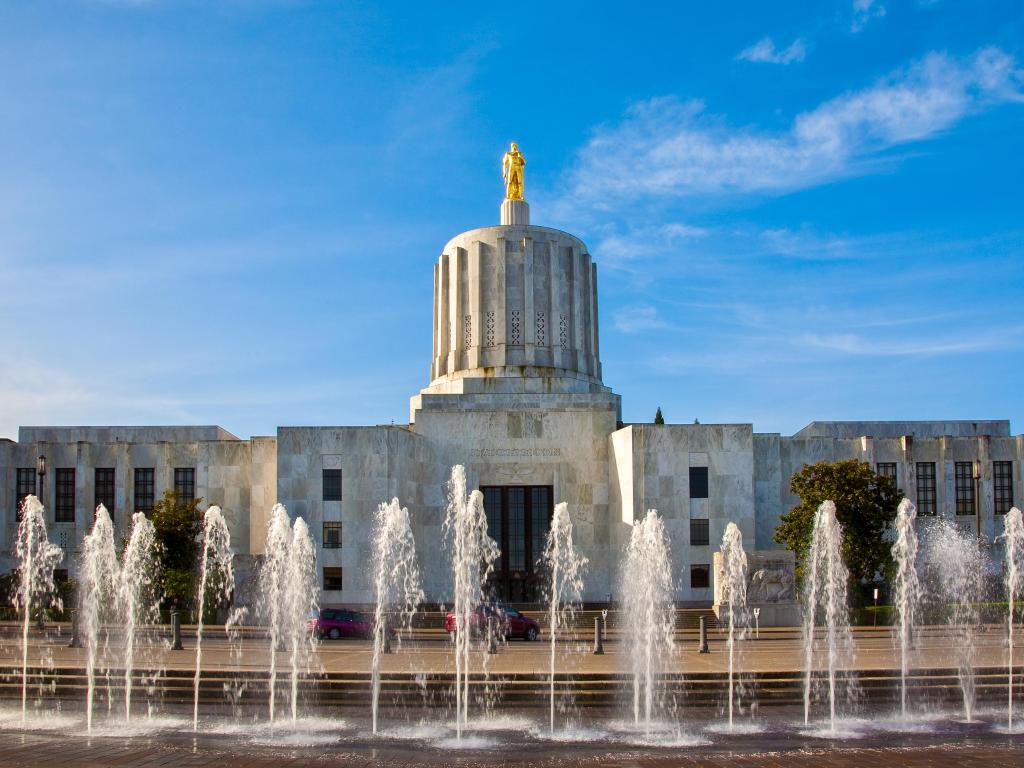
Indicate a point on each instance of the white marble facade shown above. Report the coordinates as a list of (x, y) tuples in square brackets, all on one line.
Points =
[(516, 395)]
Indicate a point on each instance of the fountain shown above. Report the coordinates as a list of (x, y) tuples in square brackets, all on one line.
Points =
[(648, 618), (565, 567), (825, 585), (139, 594), (734, 590), (907, 588), (99, 587), (37, 558), (955, 559), (396, 579), (216, 576), (289, 594), (302, 598), (1013, 534), (472, 554)]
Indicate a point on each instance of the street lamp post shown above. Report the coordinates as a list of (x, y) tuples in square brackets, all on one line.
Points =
[(41, 476), (977, 499)]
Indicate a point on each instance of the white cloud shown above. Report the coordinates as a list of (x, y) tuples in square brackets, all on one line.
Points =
[(665, 147), (763, 51), (637, 319), (864, 11), (616, 249), (856, 344)]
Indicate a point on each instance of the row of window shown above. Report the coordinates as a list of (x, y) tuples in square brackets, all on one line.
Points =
[(964, 483), (700, 578), (103, 489)]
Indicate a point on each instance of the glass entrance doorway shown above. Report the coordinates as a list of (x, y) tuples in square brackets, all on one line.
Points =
[(518, 518)]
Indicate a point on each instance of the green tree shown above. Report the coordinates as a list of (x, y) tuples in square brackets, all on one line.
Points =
[(865, 505), (658, 418), (178, 524)]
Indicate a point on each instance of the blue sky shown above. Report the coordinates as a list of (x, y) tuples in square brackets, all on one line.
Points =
[(229, 212)]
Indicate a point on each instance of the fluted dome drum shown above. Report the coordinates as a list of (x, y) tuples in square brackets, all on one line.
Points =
[(516, 302)]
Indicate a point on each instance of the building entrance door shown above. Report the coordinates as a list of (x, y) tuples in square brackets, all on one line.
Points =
[(518, 518)]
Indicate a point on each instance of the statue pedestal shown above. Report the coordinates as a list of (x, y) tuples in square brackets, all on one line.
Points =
[(515, 213), (771, 587)]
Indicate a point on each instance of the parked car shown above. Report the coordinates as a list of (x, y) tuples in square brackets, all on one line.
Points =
[(510, 622), (337, 623)]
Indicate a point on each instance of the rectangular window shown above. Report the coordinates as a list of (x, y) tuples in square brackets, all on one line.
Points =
[(25, 485), (332, 485), (698, 482), (332, 579), (145, 489), (103, 487), (185, 483), (926, 487), (64, 504), (700, 576), (540, 511), (964, 487), (517, 529), (332, 535), (699, 533), (887, 469), (494, 511), (1002, 486)]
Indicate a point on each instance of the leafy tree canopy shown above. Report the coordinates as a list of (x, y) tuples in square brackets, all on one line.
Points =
[(865, 505), (178, 524)]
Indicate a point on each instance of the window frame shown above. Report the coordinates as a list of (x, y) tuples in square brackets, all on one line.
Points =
[(101, 488), (331, 494), (700, 480), (144, 489), (925, 486), (704, 568), (882, 470), (332, 525), (185, 483), (963, 483), (20, 484), (1002, 487), (64, 495), (336, 571), (707, 532)]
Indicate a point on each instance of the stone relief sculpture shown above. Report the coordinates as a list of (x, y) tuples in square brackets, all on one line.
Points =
[(771, 585)]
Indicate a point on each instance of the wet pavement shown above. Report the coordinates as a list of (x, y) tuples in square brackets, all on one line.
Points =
[(515, 739)]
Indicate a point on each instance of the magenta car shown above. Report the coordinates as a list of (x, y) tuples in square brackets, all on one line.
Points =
[(336, 623)]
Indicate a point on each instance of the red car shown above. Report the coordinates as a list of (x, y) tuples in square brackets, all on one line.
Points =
[(511, 623), (335, 624)]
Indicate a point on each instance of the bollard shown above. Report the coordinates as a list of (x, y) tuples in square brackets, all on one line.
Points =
[(75, 642), (176, 632), (703, 636), (387, 637), (492, 641), (40, 615), (598, 635)]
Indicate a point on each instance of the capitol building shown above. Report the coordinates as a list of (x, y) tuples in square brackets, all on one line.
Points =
[(515, 394)]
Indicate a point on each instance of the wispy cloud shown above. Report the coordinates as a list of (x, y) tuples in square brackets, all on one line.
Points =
[(764, 52), (857, 344), (617, 248), (638, 318), (864, 11), (666, 147)]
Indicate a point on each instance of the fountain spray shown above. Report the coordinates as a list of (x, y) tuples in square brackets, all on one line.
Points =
[(565, 566), (734, 561), (100, 580), (396, 578), (473, 553), (37, 558), (825, 596), (907, 588), (648, 612), (215, 575), (1013, 534), (139, 588)]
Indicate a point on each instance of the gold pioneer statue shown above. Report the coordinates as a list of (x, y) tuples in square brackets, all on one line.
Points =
[(512, 171)]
